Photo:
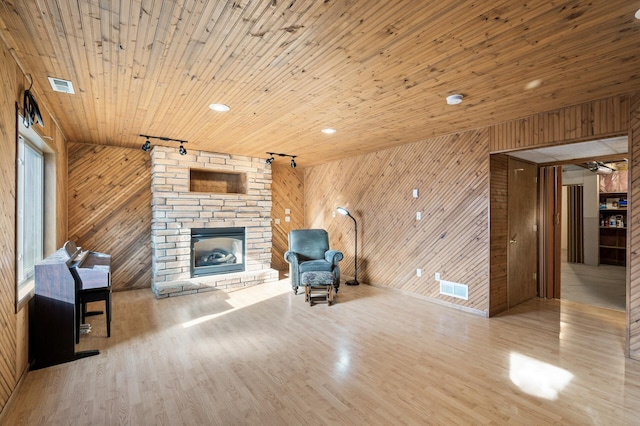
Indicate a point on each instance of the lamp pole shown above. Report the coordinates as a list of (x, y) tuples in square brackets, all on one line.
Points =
[(354, 281)]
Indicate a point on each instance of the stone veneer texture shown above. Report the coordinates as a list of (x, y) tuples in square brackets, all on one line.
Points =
[(176, 210)]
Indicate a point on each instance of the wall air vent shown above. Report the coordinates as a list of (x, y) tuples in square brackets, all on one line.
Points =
[(59, 85), (460, 291)]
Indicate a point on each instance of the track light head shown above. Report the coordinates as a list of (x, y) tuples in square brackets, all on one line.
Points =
[(147, 143), (272, 155)]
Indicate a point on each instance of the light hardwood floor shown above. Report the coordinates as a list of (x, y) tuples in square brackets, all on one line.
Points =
[(603, 285), (261, 356)]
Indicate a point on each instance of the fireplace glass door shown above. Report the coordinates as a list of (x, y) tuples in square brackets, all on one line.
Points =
[(217, 251)]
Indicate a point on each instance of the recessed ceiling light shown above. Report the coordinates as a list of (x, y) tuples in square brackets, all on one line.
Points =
[(533, 84), (454, 99), (328, 131), (219, 107)]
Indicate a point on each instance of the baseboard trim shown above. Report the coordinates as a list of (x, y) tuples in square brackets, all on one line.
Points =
[(12, 396), (436, 301)]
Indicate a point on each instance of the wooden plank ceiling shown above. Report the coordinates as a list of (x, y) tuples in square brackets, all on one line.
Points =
[(378, 72)]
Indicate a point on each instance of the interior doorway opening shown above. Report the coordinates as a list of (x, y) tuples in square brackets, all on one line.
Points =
[(598, 277), (583, 246)]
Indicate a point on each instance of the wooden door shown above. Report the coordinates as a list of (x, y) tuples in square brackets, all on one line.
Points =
[(550, 229), (522, 214)]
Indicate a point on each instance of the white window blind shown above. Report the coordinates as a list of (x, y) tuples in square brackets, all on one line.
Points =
[(30, 197)]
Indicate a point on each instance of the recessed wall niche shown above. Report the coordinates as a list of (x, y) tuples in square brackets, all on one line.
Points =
[(217, 182)]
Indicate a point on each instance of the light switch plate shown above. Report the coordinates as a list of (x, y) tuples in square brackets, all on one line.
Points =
[(415, 193), (277, 221), (287, 219), (287, 211), (418, 215)]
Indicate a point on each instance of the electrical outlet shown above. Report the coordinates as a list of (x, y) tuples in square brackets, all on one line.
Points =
[(287, 211), (277, 221), (418, 215), (418, 272), (437, 276), (415, 193), (287, 219)]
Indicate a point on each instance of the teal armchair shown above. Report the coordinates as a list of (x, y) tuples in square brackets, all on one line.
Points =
[(309, 251)]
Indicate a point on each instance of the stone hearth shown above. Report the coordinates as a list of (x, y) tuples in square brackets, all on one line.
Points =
[(238, 195)]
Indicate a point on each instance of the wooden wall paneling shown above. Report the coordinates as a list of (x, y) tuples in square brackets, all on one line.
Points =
[(633, 232), (287, 192), (591, 120), (499, 238), (109, 201), (452, 176), (9, 88), (22, 342), (14, 330), (62, 229), (587, 119)]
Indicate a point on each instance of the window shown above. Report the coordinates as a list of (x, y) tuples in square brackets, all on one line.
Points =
[(30, 220)]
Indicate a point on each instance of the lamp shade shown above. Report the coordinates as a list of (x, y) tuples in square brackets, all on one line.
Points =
[(343, 211)]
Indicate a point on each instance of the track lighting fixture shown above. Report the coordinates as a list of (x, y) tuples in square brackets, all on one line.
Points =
[(147, 144), (271, 158)]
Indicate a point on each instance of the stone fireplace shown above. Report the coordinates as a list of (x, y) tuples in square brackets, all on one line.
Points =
[(203, 194)]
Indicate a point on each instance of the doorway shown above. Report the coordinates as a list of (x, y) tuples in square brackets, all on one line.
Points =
[(590, 264), (599, 277), (513, 232)]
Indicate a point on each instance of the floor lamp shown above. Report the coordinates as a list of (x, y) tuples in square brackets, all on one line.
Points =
[(354, 281)]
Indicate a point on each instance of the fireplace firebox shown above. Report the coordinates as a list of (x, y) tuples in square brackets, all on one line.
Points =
[(217, 251)]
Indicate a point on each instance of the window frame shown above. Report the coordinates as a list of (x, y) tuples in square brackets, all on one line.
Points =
[(50, 199), (26, 150)]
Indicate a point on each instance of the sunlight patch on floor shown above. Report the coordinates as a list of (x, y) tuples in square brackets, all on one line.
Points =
[(538, 378), (243, 298)]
